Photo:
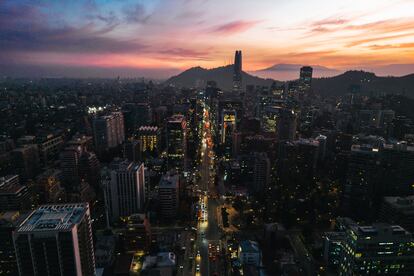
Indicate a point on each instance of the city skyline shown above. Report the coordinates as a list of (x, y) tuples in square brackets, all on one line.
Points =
[(162, 38)]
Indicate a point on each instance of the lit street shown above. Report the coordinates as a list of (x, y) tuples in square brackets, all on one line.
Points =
[(208, 234)]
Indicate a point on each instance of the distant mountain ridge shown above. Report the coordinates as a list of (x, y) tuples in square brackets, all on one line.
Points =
[(197, 77), (285, 71), (295, 67), (366, 83)]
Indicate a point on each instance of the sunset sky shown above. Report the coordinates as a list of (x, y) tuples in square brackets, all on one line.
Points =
[(157, 38)]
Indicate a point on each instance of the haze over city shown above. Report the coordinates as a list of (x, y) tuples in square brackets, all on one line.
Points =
[(158, 39)]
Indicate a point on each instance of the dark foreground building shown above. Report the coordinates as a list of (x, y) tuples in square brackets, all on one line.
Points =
[(56, 240)]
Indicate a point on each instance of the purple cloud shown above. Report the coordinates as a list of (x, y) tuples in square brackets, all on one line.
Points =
[(234, 27), (25, 28), (136, 13)]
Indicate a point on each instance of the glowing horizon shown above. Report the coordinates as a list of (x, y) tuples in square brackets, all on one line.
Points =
[(178, 34)]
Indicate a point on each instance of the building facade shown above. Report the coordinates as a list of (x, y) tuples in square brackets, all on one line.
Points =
[(56, 240), (124, 185)]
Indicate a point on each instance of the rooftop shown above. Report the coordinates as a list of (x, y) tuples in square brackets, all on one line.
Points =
[(405, 204), (169, 181), (11, 218), (56, 217), (380, 230), (162, 259), (125, 165), (148, 128), (136, 219), (249, 246), (176, 118), (10, 184), (308, 142), (365, 148)]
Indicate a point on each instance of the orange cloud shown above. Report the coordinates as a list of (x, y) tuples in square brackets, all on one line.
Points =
[(378, 38), (385, 26), (391, 46)]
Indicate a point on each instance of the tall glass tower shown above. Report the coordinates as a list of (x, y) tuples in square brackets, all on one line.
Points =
[(237, 75)]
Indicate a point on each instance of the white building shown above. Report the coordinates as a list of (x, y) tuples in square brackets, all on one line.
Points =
[(124, 184), (109, 131)]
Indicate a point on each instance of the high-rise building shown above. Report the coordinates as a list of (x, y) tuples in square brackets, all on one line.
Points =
[(109, 131), (362, 176), (26, 161), (305, 78), (261, 172), (296, 169), (332, 247), (137, 235), (150, 137), (13, 195), (228, 125), (269, 118), (136, 115), (90, 168), (322, 140), (286, 126), (70, 164), (249, 253), (177, 142), (49, 187), (132, 149), (49, 147), (56, 240), (231, 103), (237, 74), (77, 164), (292, 88), (377, 250), (168, 195), (124, 185), (85, 142), (228, 129), (397, 161), (398, 210), (9, 221)]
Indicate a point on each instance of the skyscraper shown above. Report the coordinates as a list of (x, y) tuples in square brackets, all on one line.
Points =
[(361, 187), (124, 187), (398, 210), (176, 142), (136, 115), (108, 131), (228, 129), (237, 75), (150, 137), (305, 78), (56, 240), (261, 172), (377, 250), (26, 161), (9, 221), (133, 150), (70, 164), (168, 195), (78, 164), (13, 195), (137, 234), (286, 125)]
